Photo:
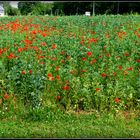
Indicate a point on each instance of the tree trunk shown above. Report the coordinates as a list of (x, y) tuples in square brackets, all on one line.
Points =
[(93, 14)]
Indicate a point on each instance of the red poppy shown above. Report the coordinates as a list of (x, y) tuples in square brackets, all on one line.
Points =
[(54, 58), (103, 75), (83, 58), (130, 68), (94, 61), (117, 100), (57, 68), (138, 60), (30, 71), (20, 50), (63, 61), (49, 75), (83, 70), (62, 52), (58, 77), (52, 78), (89, 53), (54, 46), (66, 88), (6, 96), (58, 97), (120, 67), (98, 89), (23, 72), (126, 54)]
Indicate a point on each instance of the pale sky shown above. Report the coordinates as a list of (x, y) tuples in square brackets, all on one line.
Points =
[(14, 3)]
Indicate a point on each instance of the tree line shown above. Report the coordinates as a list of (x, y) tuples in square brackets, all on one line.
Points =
[(71, 8)]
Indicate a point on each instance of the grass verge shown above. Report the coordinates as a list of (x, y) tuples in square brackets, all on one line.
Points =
[(73, 125)]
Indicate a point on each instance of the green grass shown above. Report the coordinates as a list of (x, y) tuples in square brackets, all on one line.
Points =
[(72, 125)]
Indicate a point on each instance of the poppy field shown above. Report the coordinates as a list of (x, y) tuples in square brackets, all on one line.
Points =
[(70, 63)]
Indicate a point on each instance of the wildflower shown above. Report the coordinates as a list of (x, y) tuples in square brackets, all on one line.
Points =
[(49, 75), (117, 100), (83, 70), (23, 72), (20, 50), (126, 54), (138, 60), (130, 68), (58, 97), (54, 58), (57, 68), (58, 77), (94, 61), (103, 75), (62, 52), (66, 88), (52, 78), (63, 61), (98, 89), (89, 53), (53, 46), (83, 58), (30, 71), (6, 96), (120, 67)]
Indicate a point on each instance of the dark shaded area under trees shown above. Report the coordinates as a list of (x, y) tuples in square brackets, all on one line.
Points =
[(71, 8)]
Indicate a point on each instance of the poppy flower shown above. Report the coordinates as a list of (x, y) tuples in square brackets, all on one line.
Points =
[(30, 71), (58, 77), (23, 72), (103, 75), (130, 68), (138, 60), (126, 54), (49, 75), (83, 58), (94, 61), (57, 68), (20, 50), (89, 53), (53, 46), (58, 97), (63, 61), (117, 100), (66, 88), (6, 96), (62, 52), (120, 67), (98, 89)]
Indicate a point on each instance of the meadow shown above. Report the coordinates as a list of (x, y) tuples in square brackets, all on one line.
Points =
[(51, 65)]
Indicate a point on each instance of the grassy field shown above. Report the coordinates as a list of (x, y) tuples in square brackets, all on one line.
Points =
[(74, 125)]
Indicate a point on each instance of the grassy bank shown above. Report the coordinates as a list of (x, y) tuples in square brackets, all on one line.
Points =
[(74, 125)]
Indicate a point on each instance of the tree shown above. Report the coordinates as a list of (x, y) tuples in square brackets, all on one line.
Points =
[(26, 7), (13, 11), (35, 8), (41, 8)]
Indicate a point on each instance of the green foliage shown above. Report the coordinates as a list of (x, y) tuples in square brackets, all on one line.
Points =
[(35, 8), (71, 63), (12, 11)]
